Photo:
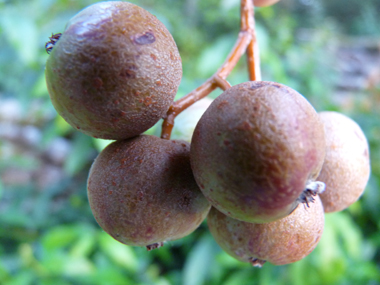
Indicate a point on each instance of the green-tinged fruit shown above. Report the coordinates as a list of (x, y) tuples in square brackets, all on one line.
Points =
[(281, 242), (346, 168)]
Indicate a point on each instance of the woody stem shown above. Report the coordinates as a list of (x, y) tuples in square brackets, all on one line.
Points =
[(246, 42)]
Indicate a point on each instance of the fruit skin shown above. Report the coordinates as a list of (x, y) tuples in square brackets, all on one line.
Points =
[(281, 242), (254, 150), (264, 3), (114, 72), (142, 191), (346, 168)]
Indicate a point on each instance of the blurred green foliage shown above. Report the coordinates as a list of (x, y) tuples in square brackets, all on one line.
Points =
[(47, 232)]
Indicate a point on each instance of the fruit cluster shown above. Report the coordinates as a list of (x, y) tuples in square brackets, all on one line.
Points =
[(259, 158)]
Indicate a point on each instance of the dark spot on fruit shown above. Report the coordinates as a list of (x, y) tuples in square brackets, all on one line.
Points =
[(245, 126), (110, 192), (98, 82), (153, 56), (78, 127), (218, 133), (257, 84), (202, 186), (129, 72), (158, 82), (222, 104), (226, 143), (145, 39), (147, 101), (212, 190), (185, 201), (149, 230)]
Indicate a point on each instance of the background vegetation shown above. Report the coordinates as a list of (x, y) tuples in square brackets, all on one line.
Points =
[(327, 50)]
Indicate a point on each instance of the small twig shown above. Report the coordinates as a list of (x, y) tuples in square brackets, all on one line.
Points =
[(245, 39), (253, 59), (253, 55), (221, 83)]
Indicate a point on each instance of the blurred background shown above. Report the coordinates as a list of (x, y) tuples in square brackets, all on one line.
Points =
[(327, 50)]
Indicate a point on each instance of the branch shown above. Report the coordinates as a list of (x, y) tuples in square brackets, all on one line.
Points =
[(246, 41)]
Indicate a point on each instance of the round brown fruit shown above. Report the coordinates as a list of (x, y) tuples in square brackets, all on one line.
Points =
[(281, 242), (346, 168), (255, 149), (264, 3), (114, 72), (142, 191)]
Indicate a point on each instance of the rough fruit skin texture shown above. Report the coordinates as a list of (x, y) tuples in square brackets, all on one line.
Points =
[(281, 242), (114, 72), (346, 168), (255, 148), (142, 191)]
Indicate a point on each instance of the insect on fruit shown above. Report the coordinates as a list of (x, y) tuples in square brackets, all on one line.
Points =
[(53, 40)]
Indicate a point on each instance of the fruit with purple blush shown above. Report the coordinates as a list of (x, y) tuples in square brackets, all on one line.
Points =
[(142, 191)]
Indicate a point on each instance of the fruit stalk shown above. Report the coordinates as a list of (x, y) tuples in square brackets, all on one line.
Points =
[(245, 43)]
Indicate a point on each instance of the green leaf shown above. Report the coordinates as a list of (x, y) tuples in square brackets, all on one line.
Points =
[(213, 57), (119, 253), (79, 155), (21, 32), (59, 237), (197, 265), (85, 244), (101, 144)]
